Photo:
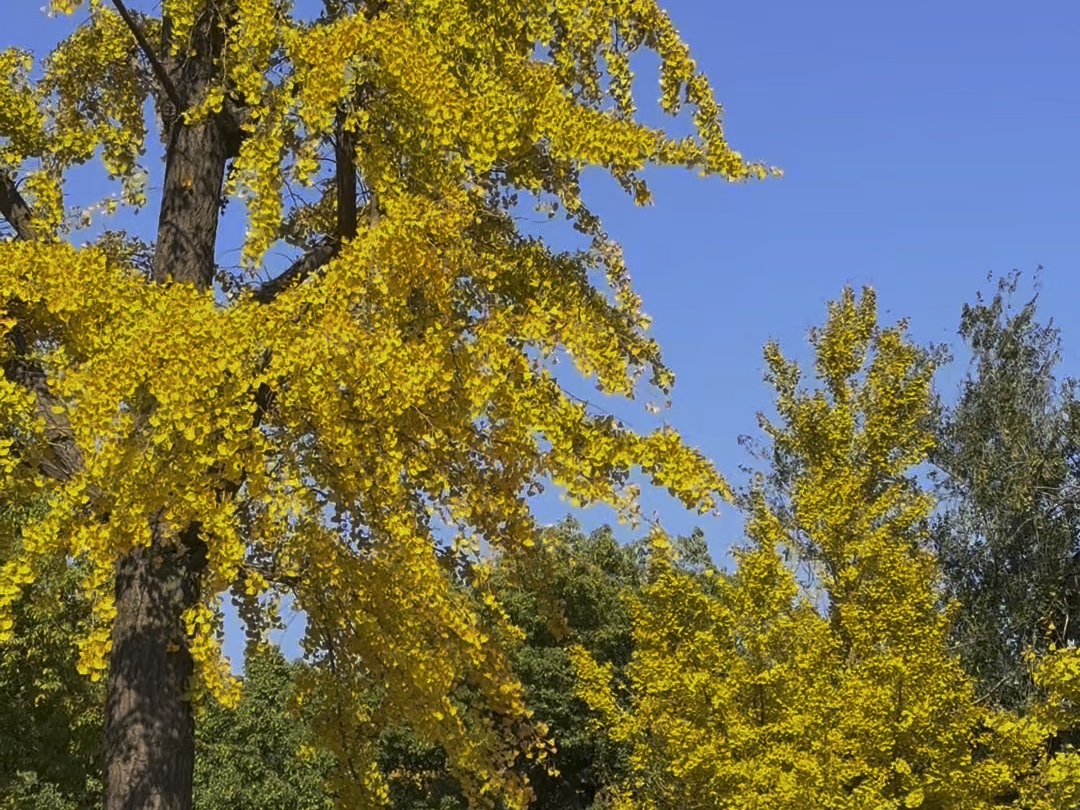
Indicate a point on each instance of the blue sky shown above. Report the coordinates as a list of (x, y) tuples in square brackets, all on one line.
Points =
[(923, 144)]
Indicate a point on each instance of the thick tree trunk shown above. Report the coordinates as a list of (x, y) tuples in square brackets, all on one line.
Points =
[(149, 751), (149, 726), (149, 729), (191, 204)]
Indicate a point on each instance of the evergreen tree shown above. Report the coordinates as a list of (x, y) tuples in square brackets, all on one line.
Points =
[(50, 714), (258, 755)]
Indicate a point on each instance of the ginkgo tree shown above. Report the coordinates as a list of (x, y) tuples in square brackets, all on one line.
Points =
[(346, 430), (840, 690)]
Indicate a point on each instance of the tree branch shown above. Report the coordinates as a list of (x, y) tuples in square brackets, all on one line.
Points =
[(345, 178), (15, 210), (160, 73), (60, 457), (303, 267)]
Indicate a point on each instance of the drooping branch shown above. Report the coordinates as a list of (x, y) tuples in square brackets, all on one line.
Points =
[(15, 209), (310, 262), (160, 73)]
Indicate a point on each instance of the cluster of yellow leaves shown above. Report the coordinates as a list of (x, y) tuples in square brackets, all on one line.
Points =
[(755, 692), (436, 95), (89, 100), (394, 415), (1039, 743), (21, 119), (99, 92), (407, 387)]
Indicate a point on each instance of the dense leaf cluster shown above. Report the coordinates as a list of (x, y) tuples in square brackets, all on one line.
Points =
[(825, 670), (389, 400)]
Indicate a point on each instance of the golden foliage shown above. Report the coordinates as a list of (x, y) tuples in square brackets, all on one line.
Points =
[(759, 692), (407, 386)]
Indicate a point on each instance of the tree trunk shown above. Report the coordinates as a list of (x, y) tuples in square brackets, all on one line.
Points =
[(149, 726), (191, 203)]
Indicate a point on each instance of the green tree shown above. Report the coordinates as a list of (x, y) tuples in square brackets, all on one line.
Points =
[(259, 755), (50, 714), (574, 590), (313, 429), (1008, 478), (579, 597)]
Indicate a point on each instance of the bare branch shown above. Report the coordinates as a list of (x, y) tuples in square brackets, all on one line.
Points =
[(15, 209), (160, 73), (303, 267)]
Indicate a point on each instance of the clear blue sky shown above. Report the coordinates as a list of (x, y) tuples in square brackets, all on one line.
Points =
[(923, 143)]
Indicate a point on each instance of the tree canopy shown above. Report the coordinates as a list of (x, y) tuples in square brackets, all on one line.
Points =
[(841, 690), (1008, 466), (50, 714), (347, 427), (359, 428)]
